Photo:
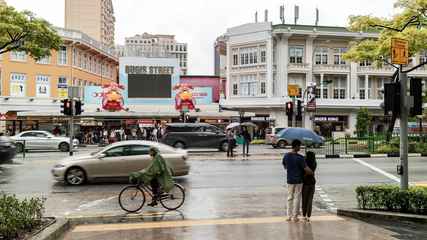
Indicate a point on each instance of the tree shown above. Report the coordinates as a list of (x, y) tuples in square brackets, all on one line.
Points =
[(22, 31), (409, 24), (363, 122)]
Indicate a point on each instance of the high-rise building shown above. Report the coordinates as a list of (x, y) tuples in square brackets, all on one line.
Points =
[(160, 46), (94, 17)]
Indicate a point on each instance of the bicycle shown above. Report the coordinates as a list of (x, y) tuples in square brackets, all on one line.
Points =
[(132, 198)]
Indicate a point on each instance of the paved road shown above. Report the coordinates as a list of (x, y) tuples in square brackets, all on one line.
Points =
[(218, 189)]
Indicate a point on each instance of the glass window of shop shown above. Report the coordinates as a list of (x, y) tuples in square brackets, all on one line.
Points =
[(18, 84), (326, 125)]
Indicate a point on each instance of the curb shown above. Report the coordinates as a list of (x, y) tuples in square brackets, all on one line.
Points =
[(319, 156), (54, 231), (379, 215)]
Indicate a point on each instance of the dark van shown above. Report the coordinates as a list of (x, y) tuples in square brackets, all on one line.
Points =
[(195, 135)]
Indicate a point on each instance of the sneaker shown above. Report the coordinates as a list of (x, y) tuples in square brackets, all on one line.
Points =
[(296, 219), (288, 219), (307, 219)]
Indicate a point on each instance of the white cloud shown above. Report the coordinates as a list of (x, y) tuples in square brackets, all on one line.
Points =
[(199, 22)]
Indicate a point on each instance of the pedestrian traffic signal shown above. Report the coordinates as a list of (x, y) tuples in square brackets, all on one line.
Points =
[(289, 108), (66, 107), (299, 109), (392, 99), (416, 90), (78, 107)]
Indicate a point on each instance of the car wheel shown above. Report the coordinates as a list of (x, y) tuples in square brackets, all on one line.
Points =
[(224, 146), (64, 147), (75, 176), (19, 148), (281, 144), (179, 145)]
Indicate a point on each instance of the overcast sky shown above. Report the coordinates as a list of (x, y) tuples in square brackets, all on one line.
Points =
[(199, 22)]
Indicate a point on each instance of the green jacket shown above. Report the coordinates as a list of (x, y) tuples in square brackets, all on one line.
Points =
[(158, 169)]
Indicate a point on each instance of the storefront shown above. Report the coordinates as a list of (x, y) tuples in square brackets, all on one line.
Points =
[(326, 125)]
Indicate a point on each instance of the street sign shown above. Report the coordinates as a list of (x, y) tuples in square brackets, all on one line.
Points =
[(293, 90), (399, 51)]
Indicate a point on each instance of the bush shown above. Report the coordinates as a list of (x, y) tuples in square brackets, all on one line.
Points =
[(421, 148), (19, 216), (391, 198), (387, 148)]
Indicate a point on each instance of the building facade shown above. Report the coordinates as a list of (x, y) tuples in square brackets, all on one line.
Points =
[(80, 61), (264, 59), (95, 18), (156, 46), (2, 2), (220, 57)]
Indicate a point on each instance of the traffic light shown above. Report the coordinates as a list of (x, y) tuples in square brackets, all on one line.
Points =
[(299, 110), (289, 108), (78, 107), (66, 107), (392, 99), (416, 90)]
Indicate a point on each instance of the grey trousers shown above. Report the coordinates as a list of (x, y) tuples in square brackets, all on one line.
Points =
[(307, 199)]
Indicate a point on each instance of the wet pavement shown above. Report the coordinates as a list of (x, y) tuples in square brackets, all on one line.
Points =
[(225, 199)]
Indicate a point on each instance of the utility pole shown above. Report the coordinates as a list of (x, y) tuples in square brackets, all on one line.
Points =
[(294, 113), (71, 146), (404, 110)]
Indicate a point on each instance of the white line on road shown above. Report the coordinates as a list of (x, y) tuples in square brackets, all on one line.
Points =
[(94, 203), (391, 176)]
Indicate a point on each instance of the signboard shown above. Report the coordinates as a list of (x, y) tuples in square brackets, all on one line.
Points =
[(293, 90), (311, 99), (203, 95), (399, 51)]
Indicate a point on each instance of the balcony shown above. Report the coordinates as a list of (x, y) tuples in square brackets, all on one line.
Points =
[(385, 70), (331, 68), (298, 67)]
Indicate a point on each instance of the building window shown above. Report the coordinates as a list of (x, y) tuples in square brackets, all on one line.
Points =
[(338, 59), (317, 92), (44, 60), (321, 56), (42, 86), (235, 89), (296, 54), (263, 56), (362, 94), (248, 85), (365, 63), (325, 93), (263, 88), (62, 55), (18, 56), (74, 57), (339, 88), (18, 84)]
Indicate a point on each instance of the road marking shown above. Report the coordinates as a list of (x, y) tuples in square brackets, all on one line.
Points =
[(330, 204), (380, 171), (94, 203), (420, 184), (192, 223)]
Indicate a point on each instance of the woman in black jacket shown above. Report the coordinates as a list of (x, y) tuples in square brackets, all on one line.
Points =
[(309, 186)]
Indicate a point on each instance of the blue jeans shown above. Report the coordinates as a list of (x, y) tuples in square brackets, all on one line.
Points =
[(245, 147)]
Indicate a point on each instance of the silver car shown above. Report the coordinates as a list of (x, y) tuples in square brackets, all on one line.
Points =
[(41, 140), (117, 160)]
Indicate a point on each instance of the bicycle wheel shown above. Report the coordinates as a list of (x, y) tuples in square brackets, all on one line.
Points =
[(131, 199), (174, 198)]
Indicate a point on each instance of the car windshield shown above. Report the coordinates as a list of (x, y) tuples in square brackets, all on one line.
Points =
[(281, 132)]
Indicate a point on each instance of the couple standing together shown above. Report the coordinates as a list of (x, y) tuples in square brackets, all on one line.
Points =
[(301, 181)]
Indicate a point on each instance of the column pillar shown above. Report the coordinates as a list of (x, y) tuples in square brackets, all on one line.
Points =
[(229, 82), (321, 85), (366, 86), (309, 59), (348, 76), (270, 66)]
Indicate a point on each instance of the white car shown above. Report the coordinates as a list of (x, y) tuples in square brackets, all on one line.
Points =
[(117, 160), (41, 140)]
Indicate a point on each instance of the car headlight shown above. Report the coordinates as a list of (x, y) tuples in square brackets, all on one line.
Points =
[(59, 166)]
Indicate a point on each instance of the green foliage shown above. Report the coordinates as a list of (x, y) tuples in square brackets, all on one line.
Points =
[(391, 198), (18, 216), (409, 24), (363, 122), (387, 148), (23, 31)]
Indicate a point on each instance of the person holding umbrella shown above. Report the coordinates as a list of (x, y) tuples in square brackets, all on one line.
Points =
[(246, 140)]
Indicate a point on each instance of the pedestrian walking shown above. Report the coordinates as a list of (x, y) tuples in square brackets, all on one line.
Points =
[(154, 134), (231, 141), (296, 168), (309, 186), (246, 141)]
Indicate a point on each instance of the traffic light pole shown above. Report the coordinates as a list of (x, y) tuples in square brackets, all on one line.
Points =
[(71, 146), (404, 110)]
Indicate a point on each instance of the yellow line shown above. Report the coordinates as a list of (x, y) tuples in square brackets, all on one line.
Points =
[(192, 223), (421, 184)]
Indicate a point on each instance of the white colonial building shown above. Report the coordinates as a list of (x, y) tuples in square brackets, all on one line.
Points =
[(263, 59)]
